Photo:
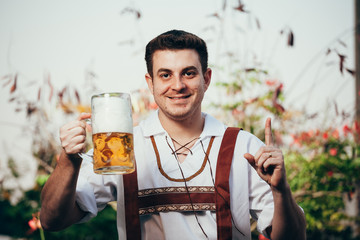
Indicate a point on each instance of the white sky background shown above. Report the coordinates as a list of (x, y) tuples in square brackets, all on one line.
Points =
[(67, 38)]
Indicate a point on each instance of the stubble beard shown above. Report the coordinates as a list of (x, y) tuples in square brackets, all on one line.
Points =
[(180, 115)]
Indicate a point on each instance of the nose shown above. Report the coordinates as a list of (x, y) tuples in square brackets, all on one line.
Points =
[(178, 84)]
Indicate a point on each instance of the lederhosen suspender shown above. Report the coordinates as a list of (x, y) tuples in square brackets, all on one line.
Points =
[(223, 214), (221, 195)]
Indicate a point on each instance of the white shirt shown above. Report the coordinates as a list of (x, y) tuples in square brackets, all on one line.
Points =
[(249, 194)]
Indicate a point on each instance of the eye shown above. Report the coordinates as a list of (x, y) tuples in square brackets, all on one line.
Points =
[(165, 75), (190, 74)]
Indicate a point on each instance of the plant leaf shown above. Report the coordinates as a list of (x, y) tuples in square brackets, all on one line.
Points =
[(290, 39), (224, 4), (352, 72), (258, 23), (7, 76), (30, 109), (341, 63), (51, 88), (13, 87), (342, 43), (278, 106), (241, 8), (77, 96), (39, 94)]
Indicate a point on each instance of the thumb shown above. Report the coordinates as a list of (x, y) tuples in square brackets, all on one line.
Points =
[(250, 158)]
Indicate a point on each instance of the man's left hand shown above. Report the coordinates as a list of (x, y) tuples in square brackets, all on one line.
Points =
[(269, 161)]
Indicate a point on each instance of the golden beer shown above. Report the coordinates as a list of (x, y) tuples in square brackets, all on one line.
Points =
[(112, 133), (113, 152)]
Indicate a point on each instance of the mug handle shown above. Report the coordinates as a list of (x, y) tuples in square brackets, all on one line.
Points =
[(88, 156)]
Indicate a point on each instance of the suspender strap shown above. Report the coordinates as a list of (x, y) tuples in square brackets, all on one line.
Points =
[(132, 219), (223, 213)]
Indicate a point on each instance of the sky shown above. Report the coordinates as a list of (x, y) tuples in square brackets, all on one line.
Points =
[(67, 39)]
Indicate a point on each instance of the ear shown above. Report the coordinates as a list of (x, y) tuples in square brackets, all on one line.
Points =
[(207, 78), (149, 81)]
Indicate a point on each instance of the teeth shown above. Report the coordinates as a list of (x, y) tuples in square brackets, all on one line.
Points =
[(178, 97)]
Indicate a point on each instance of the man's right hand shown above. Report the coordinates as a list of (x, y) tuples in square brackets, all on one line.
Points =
[(73, 135), (59, 208)]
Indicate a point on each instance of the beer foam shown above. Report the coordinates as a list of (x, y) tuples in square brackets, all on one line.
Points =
[(111, 114)]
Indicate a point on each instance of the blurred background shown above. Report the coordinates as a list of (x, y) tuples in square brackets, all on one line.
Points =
[(291, 60)]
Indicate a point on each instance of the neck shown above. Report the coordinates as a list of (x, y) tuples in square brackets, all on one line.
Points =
[(184, 129)]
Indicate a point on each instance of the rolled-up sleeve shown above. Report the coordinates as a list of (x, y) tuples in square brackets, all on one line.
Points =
[(94, 191), (85, 198)]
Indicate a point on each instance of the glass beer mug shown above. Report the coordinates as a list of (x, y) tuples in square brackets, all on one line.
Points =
[(112, 133)]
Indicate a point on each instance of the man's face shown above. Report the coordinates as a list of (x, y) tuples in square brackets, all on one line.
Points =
[(178, 83)]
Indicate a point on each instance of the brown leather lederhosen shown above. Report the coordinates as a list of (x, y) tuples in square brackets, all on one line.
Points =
[(220, 197)]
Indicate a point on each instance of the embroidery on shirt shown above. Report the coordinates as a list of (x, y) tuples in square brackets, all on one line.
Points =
[(178, 208), (176, 199), (192, 189)]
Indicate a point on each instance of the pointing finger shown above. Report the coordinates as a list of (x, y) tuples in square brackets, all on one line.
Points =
[(268, 135)]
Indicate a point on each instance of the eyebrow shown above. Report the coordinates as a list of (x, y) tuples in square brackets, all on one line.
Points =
[(163, 70), (190, 68), (183, 70)]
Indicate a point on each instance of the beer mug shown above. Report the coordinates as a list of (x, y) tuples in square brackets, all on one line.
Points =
[(112, 133)]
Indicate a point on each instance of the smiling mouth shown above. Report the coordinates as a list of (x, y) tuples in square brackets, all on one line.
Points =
[(183, 97)]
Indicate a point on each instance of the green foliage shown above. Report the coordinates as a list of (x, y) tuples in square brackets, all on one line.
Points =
[(12, 167), (322, 164), (15, 220), (103, 226), (323, 180)]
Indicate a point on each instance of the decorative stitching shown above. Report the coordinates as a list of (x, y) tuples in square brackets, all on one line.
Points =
[(192, 189), (180, 179), (178, 208)]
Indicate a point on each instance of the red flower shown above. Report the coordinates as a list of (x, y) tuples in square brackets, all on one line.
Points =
[(311, 133), (333, 151), (351, 195), (271, 82), (262, 237), (296, 140), (34, 223), (335, 134), (281, 86), (346, 130), (330, 173), (325, 136)]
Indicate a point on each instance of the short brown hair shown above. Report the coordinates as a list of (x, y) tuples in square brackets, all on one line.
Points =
[(176, 40)]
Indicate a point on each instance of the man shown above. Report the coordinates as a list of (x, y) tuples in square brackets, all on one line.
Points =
[(176, 151)]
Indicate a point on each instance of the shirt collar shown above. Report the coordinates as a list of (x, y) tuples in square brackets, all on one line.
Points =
[(213, 127), (152, 126)]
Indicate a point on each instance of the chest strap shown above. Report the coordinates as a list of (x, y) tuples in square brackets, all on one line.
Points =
[(176, 199), (136, 203)]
